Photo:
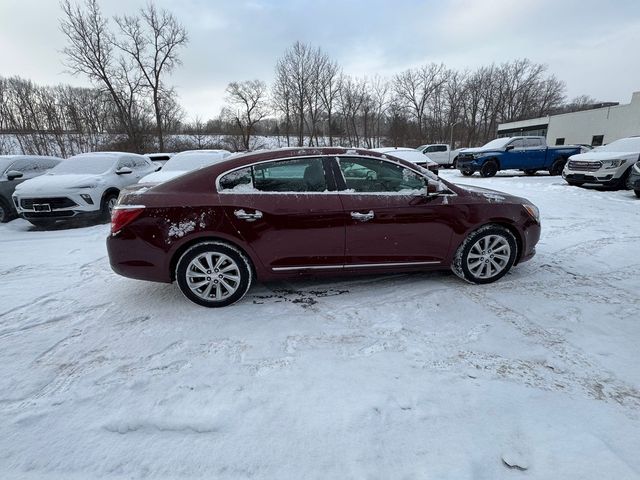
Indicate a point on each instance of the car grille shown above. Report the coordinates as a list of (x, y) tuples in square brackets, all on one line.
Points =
[(53, 202), (465, 157), (584, 166)]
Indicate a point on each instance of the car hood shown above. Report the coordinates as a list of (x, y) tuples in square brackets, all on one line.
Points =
[(491, 196), (162, 176), (480, 150), (596, 156), (48, 182)]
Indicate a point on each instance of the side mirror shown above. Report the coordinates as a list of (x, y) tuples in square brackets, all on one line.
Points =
[(509, 148), (124, 171), (13, 174), (433, 188)]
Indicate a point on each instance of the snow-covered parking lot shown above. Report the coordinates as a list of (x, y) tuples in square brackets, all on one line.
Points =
[(404, 376)]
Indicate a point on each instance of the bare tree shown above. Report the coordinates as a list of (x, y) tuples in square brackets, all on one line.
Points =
[(90, 51), (247, 106), (152, 41)]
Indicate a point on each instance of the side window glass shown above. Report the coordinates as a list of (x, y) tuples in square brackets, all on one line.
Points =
[(368, 175), (441, 148), (518, 144), (237, 181), (430, 149), (297, 175), (127, 162)]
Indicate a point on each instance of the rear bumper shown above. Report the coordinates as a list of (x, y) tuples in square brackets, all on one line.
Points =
[(133, 257)]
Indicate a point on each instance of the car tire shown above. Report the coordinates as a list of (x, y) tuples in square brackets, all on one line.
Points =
[(489, 169), (199, 264), (622, 182), (637, 192), (109, 201), (476, 260), (529, 172), (455, 163), (466, 173), (557, 166), (5, 212)]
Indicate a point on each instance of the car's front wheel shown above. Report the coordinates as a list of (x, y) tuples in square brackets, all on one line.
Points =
[(213, 274), (489, 169), (5, 212), (467, 173), (109, 201), (637, 192), (486, 255)]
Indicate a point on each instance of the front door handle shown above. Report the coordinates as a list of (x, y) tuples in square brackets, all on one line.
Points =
[(363, 217), (249, 217)]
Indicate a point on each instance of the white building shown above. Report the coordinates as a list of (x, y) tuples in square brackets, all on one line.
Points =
[(597, 126)]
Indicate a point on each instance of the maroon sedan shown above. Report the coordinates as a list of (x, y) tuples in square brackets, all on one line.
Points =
[(288, 212)]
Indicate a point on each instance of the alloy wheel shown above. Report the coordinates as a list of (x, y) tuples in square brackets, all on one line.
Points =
[(489, 256), (213, 276)]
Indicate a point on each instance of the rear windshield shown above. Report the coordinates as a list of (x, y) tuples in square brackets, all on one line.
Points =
[(92, 164), (623, 145)]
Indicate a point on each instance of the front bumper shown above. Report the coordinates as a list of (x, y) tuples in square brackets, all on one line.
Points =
[(468, 165), (602, 176), (62, 206)]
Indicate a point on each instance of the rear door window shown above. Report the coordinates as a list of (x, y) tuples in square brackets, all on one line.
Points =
[(285, 176)]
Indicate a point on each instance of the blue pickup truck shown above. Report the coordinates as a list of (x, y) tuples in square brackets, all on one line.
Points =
[(528, 154)]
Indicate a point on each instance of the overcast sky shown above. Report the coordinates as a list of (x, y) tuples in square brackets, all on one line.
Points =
[(590, 44)]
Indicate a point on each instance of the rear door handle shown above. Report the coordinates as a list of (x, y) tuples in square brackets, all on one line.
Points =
[(249, 217), (363, 217)]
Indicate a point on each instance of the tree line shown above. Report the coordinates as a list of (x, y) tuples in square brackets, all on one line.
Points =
[(310, 101)]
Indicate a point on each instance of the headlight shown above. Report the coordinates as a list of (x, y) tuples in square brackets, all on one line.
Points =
[(612, 163), (84, 185), (533, 211)]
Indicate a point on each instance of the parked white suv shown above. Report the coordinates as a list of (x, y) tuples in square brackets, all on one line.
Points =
[(83, 186), (184, 162), (609, 165)]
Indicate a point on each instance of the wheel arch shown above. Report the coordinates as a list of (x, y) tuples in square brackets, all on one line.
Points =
[(178, 252)]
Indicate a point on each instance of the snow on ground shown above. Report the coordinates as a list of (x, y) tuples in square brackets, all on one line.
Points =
[(402, 376)]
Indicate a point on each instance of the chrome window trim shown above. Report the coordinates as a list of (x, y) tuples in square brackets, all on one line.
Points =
[(327, 192)]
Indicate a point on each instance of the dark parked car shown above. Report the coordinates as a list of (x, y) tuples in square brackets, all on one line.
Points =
[(15, 169), (634, 179), (282, 213)]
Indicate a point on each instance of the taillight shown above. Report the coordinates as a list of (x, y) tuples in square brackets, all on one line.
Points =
[(123, 215)]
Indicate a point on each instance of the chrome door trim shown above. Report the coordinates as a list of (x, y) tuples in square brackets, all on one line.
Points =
[(353, 265)]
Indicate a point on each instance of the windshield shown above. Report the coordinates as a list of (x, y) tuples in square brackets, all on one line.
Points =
[(623, 145), (498, 143), (191, 161), (82, 164)]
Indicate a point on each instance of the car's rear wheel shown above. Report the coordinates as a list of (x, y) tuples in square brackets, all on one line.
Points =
[(213, 274), (489, 169), (486, 255), (557, 166)]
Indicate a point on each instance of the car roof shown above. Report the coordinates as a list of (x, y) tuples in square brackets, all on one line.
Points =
[(246, 159), (112, 154)]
